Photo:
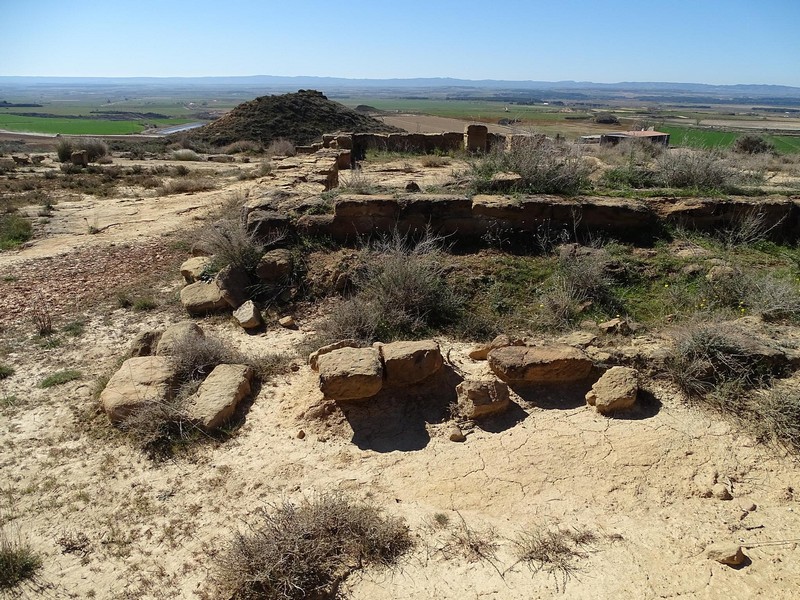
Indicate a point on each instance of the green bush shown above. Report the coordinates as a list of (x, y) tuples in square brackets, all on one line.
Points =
[(64, 149), (307, 551), (14, 230), (752, 144)]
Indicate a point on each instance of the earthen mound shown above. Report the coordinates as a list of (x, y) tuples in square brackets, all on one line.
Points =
[(301, 117)]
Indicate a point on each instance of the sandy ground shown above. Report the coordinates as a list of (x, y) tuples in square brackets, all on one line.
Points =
[(111, 524)]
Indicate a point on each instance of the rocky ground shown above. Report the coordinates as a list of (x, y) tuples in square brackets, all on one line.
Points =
[(650, 491)]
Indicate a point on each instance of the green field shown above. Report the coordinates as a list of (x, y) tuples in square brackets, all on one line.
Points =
[(712, 138), (78, 126)]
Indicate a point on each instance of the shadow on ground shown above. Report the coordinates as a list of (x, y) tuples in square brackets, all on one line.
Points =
[(395, 420)]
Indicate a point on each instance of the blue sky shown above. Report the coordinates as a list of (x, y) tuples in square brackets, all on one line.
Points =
[(700, 41)]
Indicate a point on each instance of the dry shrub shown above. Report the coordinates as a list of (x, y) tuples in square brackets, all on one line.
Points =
[(469, 542), (18, 563), (357, 182), (774, 298), (95, 149), (545, 166), (401, 292), (281, 147), (194, 357), (776, 417), (553, 550), (231, 244), (186, 154), (752, 144), (186, 185), (157, 428), (580, 283), (435, 161), (713, 357), (697, 169), (308, 550), (242, 146)]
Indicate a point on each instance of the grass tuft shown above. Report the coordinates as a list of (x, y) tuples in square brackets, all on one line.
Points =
[(60, 378), (18, 562)]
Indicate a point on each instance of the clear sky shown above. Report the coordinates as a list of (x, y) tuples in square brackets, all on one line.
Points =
[(698, 41)]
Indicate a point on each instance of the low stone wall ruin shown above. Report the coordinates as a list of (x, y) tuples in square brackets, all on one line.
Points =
[(483, 217)]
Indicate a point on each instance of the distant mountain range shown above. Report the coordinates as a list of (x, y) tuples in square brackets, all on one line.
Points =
[(299, 82)]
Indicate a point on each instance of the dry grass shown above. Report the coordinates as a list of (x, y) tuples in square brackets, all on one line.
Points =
[(545, 167), (186, 185), (553, 550), (186, 154), (308, 550), (281, 147), (401, 291), (18, 563)]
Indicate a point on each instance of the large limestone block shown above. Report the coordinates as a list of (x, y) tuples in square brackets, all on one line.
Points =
[(313, 358), (615, 390), (477, 399), (233, 283), (555, 363), (407, 363), (501, 341), (193, 268), (219, 395), (139, 381), (202, 298), (274, 265), (248, 315), (176, 333), (350, 373)]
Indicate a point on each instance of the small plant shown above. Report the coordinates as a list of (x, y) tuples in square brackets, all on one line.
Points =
[(181, 170), (435, 161), (144, 304), (60, 378), (15, 230), (357, 182), (243, 146), (473, 544), (74, 328), (710, 356), (124, 300), (64, 150), (775, 416), (5, 371), (553, 550), (308, 550), (18, 562), (194, 357), (42, 320)]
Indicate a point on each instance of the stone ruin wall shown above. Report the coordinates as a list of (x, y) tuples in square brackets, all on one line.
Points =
[(473, 219)]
